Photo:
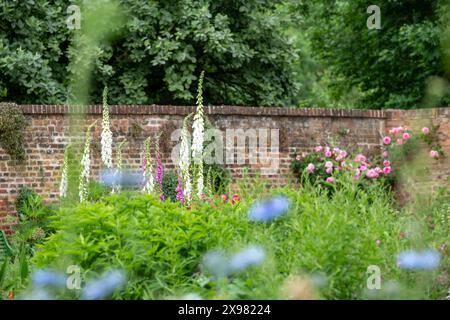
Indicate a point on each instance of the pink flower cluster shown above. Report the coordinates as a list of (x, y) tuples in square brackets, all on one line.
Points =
[(402, 134), (336, 159), (327, 160)]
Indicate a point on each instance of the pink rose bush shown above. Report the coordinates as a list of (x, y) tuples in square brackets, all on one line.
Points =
[(406, 138), (326, 164)]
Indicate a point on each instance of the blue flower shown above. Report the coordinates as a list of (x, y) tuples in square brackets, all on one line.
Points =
[(38, 294), (42, 278), (112, 178), (217, 263), (191, 296), (247, 257), (105, 286), (419, 260), (269, 209)]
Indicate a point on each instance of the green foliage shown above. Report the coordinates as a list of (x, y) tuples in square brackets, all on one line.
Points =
[(34, 216), (12, 128), (24, 196), (96, 191), (155, 58), (5, 248), (160, 245), (220, 178), (386, 68), (170, 182), (14, 273)]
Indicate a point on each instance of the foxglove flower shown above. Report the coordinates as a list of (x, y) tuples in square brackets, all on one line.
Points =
[(184, 162), (64, 185), (159, 171), (198, 138), (179, 190), (118, 171), (106, 136), (147, 169), (85, 166)]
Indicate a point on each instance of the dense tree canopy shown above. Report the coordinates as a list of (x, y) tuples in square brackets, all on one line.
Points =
[(389, 67), (158, 55), (254, 52)]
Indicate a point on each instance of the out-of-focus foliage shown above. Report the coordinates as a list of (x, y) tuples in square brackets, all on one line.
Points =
[(160, 245), (33, 223), (386, 68), (157, 55)]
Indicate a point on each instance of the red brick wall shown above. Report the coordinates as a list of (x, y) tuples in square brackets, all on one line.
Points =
[(299, 129), (439, 119)]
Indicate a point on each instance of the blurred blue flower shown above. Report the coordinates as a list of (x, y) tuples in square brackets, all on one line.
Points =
[(105, 286), (191, 296), (269, 209), (247, 257), (217, 263), (44, 277), (111, 178), (37, 294), (419, 260)]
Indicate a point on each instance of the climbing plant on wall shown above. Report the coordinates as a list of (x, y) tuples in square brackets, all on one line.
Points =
[(12, 127)]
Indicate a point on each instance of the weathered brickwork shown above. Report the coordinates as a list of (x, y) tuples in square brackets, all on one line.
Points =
[(299, 130), (439, 120)]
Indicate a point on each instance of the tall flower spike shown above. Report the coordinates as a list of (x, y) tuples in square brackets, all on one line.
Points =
[(159, 170), (147, 168), (198, 138), (106, 136), (119, 165), (64, 174), (85, 166), (209, 185), (179, 190), (184, 162)]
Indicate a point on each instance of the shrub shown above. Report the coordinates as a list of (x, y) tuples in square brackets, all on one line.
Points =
[(12, 127), (34, 216), (24, 196), (160, 245), (325, 165), (220, 178), (170, 182), (96, 191)]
